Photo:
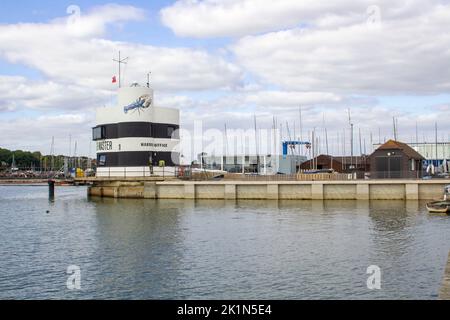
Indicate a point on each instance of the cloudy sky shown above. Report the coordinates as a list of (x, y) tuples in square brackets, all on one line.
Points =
[(224, 61)]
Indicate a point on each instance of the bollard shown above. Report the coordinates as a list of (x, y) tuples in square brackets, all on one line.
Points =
[(51, 189)]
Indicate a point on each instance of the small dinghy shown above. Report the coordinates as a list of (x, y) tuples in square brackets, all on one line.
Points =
[(442, 206), (439, 207)]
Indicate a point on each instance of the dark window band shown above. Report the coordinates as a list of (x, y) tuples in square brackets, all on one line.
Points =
[(135, 130), (136, 159)]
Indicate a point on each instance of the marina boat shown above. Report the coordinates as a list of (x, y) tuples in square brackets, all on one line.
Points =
[(442, 206), (439, 207)]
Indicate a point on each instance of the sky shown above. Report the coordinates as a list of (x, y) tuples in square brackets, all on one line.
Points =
[(224, 62)]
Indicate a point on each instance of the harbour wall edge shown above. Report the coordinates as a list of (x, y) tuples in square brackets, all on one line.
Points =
[(279, 190)]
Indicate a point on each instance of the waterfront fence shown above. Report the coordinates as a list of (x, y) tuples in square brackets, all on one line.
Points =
[(291, 177)]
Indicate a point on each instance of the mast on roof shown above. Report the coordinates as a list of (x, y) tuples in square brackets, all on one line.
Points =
[(120, 62)]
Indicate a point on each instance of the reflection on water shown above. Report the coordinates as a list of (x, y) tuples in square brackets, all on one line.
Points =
[(145, 249)]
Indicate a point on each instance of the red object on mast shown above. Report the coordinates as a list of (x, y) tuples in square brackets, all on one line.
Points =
[(114, 79)]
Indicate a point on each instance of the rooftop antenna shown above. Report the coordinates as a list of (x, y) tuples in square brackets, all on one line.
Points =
[(120, 62)]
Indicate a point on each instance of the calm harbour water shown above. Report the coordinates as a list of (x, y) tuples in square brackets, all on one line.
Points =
[(145, 249)]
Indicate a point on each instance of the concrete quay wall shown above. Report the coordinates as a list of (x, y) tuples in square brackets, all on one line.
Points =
[(279, 190)]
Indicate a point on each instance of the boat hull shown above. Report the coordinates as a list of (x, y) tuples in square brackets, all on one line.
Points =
[(439, 207)]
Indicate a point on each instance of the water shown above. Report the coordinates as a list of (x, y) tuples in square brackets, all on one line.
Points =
[(145, 249)]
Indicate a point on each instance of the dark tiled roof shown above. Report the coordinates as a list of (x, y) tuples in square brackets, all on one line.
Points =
[(396, 145)]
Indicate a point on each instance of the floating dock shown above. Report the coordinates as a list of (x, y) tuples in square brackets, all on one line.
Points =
[(269, 190)]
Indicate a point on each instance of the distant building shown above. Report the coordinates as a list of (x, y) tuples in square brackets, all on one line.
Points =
[(434, 153), (341, 164), (262, 164), (395, 159)]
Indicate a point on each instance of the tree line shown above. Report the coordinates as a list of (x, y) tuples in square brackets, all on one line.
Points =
[(35, 160)]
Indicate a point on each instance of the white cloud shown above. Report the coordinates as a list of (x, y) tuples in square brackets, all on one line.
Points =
[(18, 92), (408, 55), (213, 18), (35, 133), (74, 53), (293, 99), (94, 23)]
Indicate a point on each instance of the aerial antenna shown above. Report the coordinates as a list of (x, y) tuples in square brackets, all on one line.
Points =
[(120, 62)]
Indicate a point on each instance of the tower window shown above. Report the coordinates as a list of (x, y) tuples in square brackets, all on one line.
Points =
[(99, 133)]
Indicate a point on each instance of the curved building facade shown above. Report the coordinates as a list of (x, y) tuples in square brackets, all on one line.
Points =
[(136, 138)]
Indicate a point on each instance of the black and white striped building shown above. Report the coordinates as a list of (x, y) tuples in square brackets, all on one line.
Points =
[(136, 138)]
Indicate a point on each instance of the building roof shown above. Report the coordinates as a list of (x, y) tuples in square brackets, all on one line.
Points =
[(397, 145)]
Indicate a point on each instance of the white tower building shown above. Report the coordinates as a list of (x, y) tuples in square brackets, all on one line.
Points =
[(136, 138)]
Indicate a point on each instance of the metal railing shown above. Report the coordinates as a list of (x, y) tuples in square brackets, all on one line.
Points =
[(187, 173), (313, 176), (144, 172)]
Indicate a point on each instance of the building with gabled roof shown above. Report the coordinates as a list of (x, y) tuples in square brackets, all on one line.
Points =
[(395, 159)]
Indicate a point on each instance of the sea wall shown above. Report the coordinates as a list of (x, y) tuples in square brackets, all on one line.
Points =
[(279, 190)]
